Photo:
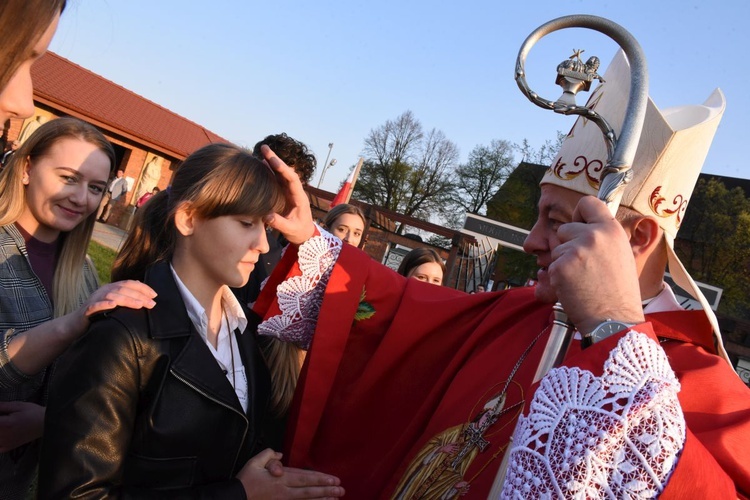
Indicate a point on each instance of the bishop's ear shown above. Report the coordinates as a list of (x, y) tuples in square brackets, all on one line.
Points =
[(645, 234)]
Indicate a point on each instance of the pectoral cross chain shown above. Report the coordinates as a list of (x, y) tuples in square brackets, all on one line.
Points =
[(474, 432)]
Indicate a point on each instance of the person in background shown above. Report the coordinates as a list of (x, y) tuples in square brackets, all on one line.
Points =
[(346, 222), (171, 402), (481, 288), (116, 190), (146, 196), (295, 153), (423, 264)]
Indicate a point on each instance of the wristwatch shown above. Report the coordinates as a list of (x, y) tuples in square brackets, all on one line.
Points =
[(603, 330)]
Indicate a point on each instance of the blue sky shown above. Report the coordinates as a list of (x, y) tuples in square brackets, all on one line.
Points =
[(330, 71)]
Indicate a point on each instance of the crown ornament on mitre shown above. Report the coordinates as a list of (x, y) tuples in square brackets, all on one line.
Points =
[(673, 145)]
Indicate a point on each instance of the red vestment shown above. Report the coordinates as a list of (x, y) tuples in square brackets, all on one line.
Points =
[(378, 391)]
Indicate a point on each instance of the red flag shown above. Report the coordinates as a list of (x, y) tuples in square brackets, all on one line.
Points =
[(345, 193)]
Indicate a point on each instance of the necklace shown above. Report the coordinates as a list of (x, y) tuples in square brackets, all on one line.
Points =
[(474, 432), (231, 354), (231, 347), (241, 377)]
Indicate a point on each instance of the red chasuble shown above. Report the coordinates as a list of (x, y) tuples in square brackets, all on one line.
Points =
[(401, 374)]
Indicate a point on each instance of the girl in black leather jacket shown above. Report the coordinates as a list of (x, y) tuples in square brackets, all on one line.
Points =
[(171, 402)]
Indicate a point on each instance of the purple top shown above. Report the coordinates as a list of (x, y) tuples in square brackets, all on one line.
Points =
[(43, 258)]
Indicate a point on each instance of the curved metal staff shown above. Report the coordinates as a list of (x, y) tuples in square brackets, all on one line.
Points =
[(621, 151)]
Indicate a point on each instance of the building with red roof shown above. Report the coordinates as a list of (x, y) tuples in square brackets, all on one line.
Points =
[(150, 140)]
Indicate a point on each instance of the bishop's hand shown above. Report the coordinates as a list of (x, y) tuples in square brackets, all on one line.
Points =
[(593, 269), (296, 224)]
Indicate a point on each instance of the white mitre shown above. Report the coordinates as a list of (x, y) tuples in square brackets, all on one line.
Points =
[(671, 151)]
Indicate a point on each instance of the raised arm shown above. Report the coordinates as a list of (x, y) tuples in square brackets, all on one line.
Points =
[(25, 354)]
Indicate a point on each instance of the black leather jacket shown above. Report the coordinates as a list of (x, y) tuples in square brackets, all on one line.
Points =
[(140, 408)]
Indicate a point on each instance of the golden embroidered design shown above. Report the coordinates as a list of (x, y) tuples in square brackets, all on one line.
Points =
[(679, 204), (590, 168), (440, 467)]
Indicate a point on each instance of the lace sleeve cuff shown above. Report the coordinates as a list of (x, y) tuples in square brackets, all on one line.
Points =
[(300, 297), (617, 436)]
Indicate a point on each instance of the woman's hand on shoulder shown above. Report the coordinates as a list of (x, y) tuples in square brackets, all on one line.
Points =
[(128, 293), (263, 477), (31, 351), (296, 224)]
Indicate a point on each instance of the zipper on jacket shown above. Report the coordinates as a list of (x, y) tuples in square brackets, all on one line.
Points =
[(204, 393)]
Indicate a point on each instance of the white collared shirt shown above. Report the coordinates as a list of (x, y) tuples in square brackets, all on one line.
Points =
[(227, 352), (663, 302)]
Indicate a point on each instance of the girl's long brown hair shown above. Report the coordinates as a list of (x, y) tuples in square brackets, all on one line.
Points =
[(217, 180)]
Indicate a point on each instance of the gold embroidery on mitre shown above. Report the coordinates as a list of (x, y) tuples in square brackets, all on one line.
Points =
[(679, 206), (590, 168)]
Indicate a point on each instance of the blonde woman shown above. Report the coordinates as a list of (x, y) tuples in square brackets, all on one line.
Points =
[(48, 288)]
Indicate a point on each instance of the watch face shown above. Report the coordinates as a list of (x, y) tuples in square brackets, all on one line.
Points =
[(607, 329)]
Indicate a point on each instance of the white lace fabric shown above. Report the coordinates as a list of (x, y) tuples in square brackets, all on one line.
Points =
[(300, 297), (614, 436)]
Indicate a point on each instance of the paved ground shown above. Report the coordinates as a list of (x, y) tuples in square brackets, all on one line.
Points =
[(109, 236)]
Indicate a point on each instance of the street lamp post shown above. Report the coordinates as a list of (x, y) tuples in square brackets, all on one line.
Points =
[(325, 169), (325, 165)]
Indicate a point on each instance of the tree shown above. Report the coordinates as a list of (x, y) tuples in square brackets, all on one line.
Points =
[(480, 178), (515, 203), (713, 243), (406, 170), (545, 154)]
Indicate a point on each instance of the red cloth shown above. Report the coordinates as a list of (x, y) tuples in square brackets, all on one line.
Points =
[(374, 392), (143, 199), (715, 402)]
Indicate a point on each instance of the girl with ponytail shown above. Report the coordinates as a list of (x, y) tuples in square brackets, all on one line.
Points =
[(172, 401)]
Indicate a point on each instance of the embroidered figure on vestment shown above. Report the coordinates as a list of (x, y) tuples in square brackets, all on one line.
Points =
[(439, 468)]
